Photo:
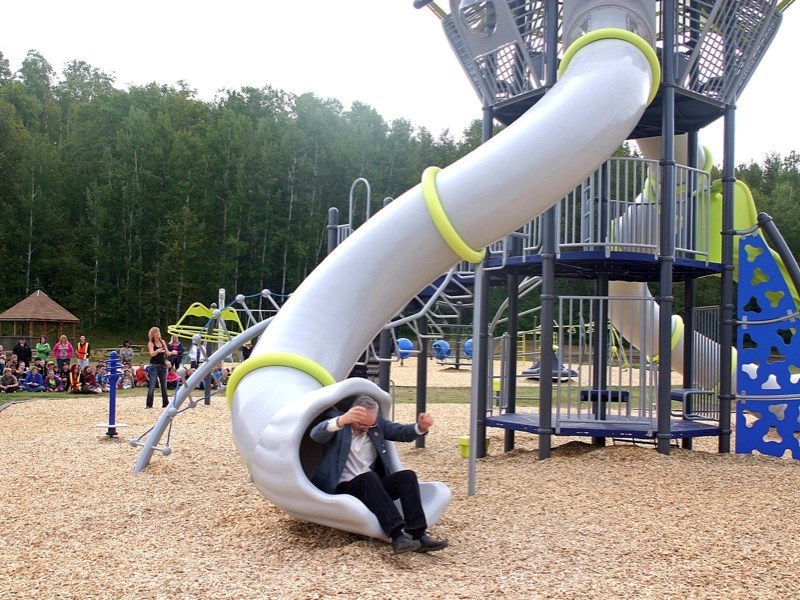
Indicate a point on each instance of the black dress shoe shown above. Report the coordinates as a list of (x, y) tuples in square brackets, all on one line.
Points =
[(430, 544), (404, 543)]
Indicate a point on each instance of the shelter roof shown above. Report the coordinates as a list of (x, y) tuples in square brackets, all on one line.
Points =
[(38, 307)]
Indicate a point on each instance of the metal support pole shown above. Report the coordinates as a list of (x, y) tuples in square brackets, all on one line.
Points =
[(333, 228), (602, 341), (667, 228), (510, 374), (384, 353), (727, 324), (210, 349), (477, 426), (689, 285), (481, 350), (422, 372), (113, 377)]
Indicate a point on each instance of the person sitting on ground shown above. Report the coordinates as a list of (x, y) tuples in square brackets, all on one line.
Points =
[(63, 373), (2, 359), (217, 371), (75, 382), (126, 381), (356, 463), (142, 377), (226, 374), (22, 370), (33, 382), (90, 381), (52, 382), (8, 382), (172, 378), (40, 364), (189, 372), (102, 378)]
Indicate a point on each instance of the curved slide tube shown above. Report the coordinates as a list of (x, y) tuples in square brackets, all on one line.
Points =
[(326, 324), (629, 319), (637, 322)]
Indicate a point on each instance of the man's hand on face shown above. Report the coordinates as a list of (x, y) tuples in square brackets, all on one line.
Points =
[(360, 419)]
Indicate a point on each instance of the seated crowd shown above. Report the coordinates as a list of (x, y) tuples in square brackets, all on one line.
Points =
[(44, 376)]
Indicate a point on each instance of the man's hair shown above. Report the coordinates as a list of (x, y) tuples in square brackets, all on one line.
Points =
[(366, 402)]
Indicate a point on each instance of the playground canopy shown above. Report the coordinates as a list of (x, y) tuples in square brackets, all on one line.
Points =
[(37, 315)]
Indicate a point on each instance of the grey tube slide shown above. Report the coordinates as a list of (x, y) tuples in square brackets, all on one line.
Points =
[(296, 369)]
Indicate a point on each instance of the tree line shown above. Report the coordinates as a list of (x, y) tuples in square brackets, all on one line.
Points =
[(127, 205)]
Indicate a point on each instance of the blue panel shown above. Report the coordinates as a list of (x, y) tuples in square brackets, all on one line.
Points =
[(768, 355), (782, 421)]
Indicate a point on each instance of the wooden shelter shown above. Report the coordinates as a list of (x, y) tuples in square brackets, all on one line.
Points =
[(35, 316)]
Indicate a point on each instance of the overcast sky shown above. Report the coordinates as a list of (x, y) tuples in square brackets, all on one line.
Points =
[(381, 52)]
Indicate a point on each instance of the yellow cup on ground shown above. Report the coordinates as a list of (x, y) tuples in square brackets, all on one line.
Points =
[(463, 445)]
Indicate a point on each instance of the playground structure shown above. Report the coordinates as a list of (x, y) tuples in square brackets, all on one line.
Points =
[(559, 208), (217, 327)]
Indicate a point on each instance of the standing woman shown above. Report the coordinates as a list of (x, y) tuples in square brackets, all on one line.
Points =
[(43, 349), (158, 366), (176, 348), (63, 351)]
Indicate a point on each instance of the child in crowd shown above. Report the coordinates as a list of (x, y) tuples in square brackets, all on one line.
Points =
[(102, 378), (126, 381), (8, 382), (33, 382), (90, 381), (52, 382), (172, 378), (142, 377), (75, 383), (63, 374)]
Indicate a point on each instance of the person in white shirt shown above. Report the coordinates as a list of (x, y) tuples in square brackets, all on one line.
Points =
[(364, 472), (197, 355)]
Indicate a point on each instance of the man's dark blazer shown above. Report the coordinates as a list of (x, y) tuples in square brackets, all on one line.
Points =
[(337, 447)]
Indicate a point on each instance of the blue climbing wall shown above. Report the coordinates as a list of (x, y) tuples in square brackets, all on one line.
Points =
[(768, 362)]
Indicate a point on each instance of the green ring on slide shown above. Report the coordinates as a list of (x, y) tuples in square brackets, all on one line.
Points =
[(277, 359), (673, 342), (443, 224), (709, 160), (612, 33)]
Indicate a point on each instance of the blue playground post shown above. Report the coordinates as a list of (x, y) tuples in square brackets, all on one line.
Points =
[(113, 377)]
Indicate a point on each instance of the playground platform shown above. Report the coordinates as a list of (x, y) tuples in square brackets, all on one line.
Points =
[(633, 428), (624, 266)]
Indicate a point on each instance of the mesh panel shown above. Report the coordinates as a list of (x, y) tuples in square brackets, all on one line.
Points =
[(513, 67), (718, 44)]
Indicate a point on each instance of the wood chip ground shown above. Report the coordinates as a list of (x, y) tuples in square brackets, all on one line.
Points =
[(616, 522)]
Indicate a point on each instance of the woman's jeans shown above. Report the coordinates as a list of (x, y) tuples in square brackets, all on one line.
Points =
[(159, 372)]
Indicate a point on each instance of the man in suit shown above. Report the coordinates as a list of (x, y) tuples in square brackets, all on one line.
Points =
[(354, 462)]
